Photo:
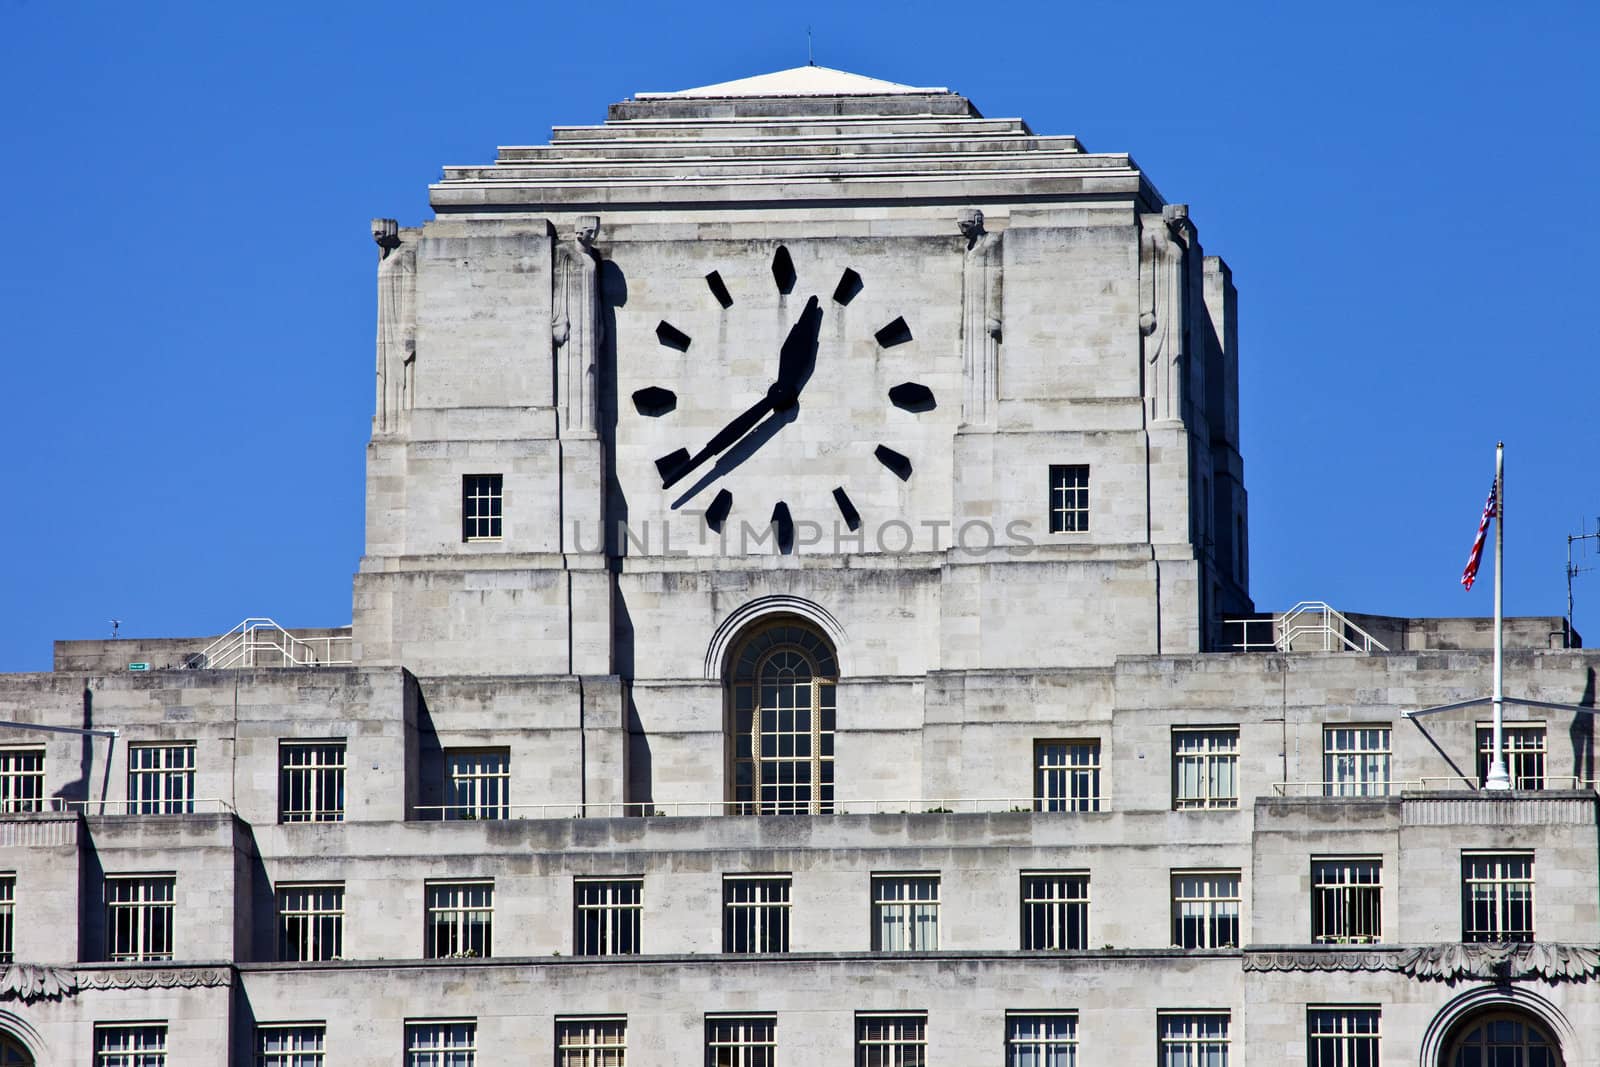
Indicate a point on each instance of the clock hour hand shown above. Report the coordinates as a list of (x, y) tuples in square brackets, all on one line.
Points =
[(675, 466), (798, 357)]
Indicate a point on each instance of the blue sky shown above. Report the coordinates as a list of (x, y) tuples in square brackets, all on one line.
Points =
[(186, 305)]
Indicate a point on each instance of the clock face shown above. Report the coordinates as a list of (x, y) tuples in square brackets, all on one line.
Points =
[(782, 398)]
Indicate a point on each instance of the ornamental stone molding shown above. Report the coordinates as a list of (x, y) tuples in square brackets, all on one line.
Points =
[(29, 982), (1445, 963)]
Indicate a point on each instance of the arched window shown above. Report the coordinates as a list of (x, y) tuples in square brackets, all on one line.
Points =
[(781, 705), (1503, 1039), (13, 1053)]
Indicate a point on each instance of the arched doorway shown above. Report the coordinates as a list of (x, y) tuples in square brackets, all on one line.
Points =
[(13, 1053), (781, 681), (1502, 1039)]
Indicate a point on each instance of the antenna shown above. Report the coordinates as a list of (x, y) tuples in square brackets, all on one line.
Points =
[(116, 624), (810, 58), (1573, 571)]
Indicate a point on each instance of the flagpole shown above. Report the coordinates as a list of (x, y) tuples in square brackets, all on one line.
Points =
[(1498, 778)]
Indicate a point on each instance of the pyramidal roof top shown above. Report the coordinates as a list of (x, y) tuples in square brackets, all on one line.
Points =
[(798, 81)]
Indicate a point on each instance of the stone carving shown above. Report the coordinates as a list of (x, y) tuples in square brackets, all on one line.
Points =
[(981, 278), (1163, 307), (1446, 963), (576, 326), (397, 322), (1319, 961), (29, 982), (163, 978)]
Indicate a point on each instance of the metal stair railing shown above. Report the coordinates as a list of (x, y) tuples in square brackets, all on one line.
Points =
[(261, 642), (1313, 619)]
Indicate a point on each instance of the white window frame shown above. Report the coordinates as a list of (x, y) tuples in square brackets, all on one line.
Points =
[(1069, 498), (1357, 759), (482, 507), (1347, 900), (742, 1040), (310, 921), (1527, 753), (140, 916), (319, 767), (1055, 910), (294, 1044), (1208, 906), (591, 1040), (617, 905), (477, 783), (905, 912), (459, 912), (8, 916), (1182, 1039), (1205, 767), (1066, 774), (1041, 1038), (21, 778), (441, 1042), (755, 912), (1492, 878), (1343, 1035), (141, 1044), (891, 1039), (161, 778)]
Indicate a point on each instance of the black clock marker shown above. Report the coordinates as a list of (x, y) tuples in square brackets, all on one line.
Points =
[(847, 510), (784, 525), (670, 464), (912, 396), (896, 333), (783, 271), (654, 401), (719, 289), (717, 513), (849, 285), (672, 337), (894, 461)]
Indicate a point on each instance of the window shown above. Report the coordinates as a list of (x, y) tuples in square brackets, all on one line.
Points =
[(8, 904), (1055, 910), (755, 913), (1205, 909), (1069, 498), (1066, 776), (139, 917), (1047, 1039), (21, 780), (1503, 1038), (289, 1045), (310, 922), (1346, 901), (592, 1042), (1205, 768), (782, 721), (1497, 896), (1199, 1039), (1525, 750), (478, 784), (480, 507), (311, 781), (606, 920), (1355, 761), (161, 779), (905, 912), (1342, 1037), (741, 1041), (448, 1043), (891, 1040), (460, 920), (141, 1045)]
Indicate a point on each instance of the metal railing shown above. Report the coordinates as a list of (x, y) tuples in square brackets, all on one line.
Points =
[(704, 808), (1357, 790), (62, 805), (1312, 621), (261, 642)]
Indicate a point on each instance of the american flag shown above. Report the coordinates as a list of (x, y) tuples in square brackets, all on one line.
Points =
[(1470, 575)]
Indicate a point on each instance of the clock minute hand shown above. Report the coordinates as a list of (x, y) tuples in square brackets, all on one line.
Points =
[(725, 438), (799, 353)]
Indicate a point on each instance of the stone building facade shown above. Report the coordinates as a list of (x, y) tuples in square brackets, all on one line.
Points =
[(804, 619)]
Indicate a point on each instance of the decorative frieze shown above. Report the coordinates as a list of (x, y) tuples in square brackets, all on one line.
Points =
[(29, 982), (1444, 963)]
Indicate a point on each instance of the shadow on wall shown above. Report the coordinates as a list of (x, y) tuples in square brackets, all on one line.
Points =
[(1582, 734), (640, 773), (430, 759)]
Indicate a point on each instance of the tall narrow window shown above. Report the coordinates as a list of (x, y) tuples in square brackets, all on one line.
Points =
[(310, 922), (1042, 1039), (1066, 776), (311, 781), (460, 920), (1525, 752), (480, 507), (1192, 1039), (905, 912), (1069, 498), (1205, 768), (161, 779), (1355, 761), (606, 916), (478, 784), (8, 904), (592, 1041), (21, 780), (1055, 910), (782, 722), (755, 913), (1205, 909), (139, 916), (1497, 896), (741, 1040), (1347, 901), (141, 1045), (1343, 1037), (442, 1043), (891, 1040), (290, 1045)]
